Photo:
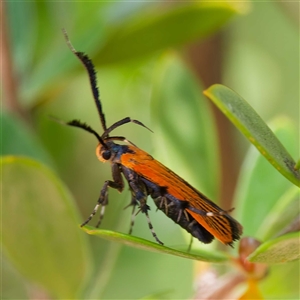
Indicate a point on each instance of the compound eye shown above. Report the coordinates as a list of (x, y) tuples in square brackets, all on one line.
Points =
[(106, 154)]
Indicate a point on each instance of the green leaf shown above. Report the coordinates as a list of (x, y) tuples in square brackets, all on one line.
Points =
[(13, 286), (281, 215), (41, 236), (256, 195), (244, 117), (273, 285), (158, 29), (129, 240), (18, 139), (280, 250), (158, 296), (297, 167), (183, 126)]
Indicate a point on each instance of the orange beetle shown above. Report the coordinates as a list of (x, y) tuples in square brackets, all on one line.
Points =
[(186, 206)]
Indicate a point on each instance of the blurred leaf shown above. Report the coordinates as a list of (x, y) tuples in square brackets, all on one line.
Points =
[(41, 236), (288, 273), (297, 167), (260, 187), (154, 30), (281, 215), (36, 72), (13, 286), (129, 240), (279, 250), (157, 296), (18, 139), (23, 40), (242, 115), (184, 132)]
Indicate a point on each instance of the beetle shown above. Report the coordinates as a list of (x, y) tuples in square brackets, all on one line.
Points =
[(145, 176)]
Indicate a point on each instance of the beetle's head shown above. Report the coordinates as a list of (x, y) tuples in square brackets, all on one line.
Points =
[(104, 154)]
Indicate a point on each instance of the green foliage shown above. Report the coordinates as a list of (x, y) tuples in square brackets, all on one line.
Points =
[(242, 115), (41, 226), (139, 243), (190, 129), (256, 180), (258, 174), (279, 250), (156, 30), (25, 142), (141, 76)]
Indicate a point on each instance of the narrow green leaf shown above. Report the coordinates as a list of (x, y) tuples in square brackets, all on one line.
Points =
[(41, 236), (244, 117), (158, 29), (129, 240), (280, 250)]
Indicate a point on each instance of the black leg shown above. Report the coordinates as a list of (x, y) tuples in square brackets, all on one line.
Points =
[(117, 184), (133, 203), (140, 194)]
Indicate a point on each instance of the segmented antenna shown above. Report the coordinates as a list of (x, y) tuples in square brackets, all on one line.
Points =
[(122, 122), (88, 64), (84, 126)]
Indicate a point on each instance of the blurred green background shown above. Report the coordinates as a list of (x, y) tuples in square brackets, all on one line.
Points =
[(153, 61)]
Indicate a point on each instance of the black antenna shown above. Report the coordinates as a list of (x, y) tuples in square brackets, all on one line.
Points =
[(88, 64), (84, 126), (88, 128), (122, 122)]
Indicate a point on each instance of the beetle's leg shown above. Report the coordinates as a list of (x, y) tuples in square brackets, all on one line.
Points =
[(151, 226), (117, 184), (141, 197), (144, 209), (190, 244), (131, 176), (133, 204)]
